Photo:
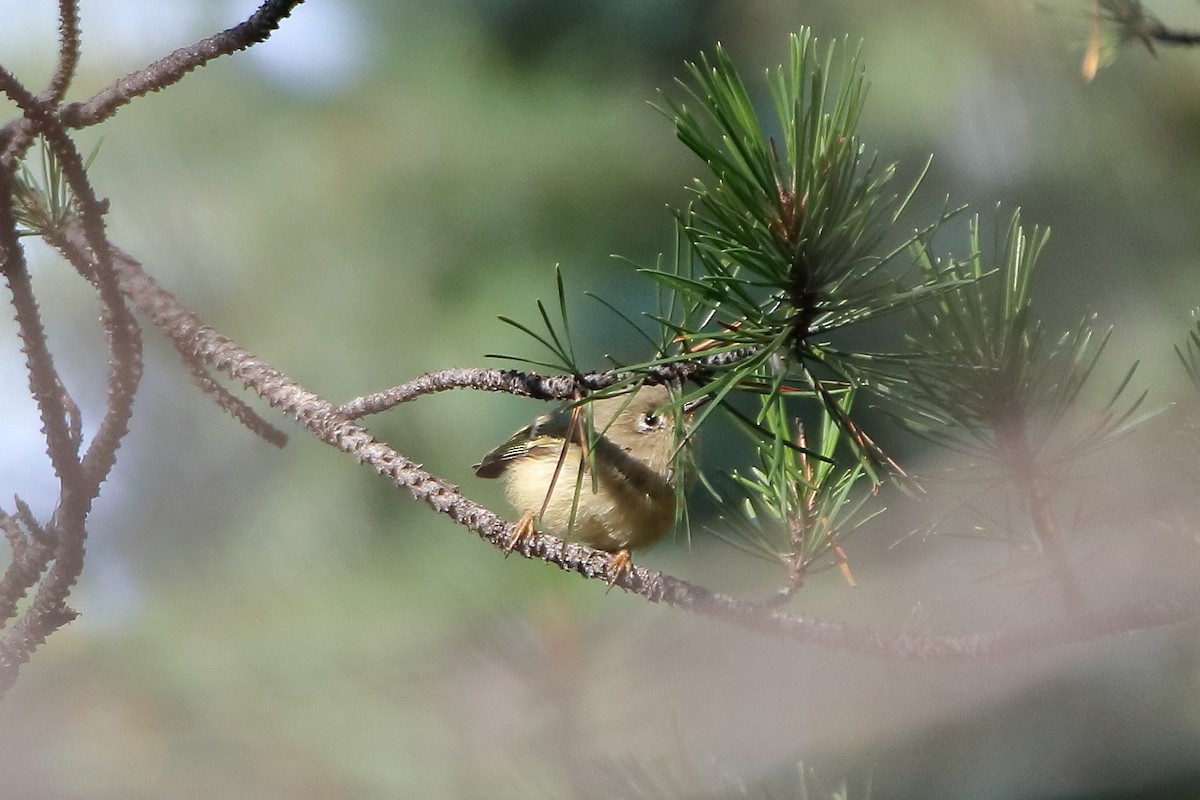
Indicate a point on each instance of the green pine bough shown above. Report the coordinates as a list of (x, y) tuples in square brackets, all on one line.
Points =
[(789, 242)]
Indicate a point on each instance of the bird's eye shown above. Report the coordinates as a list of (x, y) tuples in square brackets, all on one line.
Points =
[(650, 422)]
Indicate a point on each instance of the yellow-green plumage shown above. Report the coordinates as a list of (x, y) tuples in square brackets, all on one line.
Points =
[(630, 500)]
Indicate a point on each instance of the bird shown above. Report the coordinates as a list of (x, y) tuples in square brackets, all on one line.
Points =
[(615, 489)]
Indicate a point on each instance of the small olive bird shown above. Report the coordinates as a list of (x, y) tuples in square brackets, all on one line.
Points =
[(616, 498)]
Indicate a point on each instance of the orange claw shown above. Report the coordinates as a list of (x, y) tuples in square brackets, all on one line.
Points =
[(521, 530), (621, 562)]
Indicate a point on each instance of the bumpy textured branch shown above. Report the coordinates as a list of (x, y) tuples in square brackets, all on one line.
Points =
[(53, 553), (525, 384), (68, 48), (50, 557), (80, 477), (151, 299), (558, 387), (168, 70), (333, 426)]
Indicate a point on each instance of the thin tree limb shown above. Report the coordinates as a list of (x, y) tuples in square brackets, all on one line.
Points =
[(169, 69)]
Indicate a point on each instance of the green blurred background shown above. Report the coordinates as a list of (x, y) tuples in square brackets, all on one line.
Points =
[(356, 201)]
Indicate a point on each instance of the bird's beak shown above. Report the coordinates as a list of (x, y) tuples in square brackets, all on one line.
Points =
[(693, 405)]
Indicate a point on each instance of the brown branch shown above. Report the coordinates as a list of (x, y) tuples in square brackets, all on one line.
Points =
[(20, 131), (125, 361), (51, 556), (17, 135), (79, 478), (1136, 23), (59, 424), (1174, 36), (331, 426), (26, 636), (68, 48), (539, 387), (170, 69), (44, 381), (151, 299), (31, 554)]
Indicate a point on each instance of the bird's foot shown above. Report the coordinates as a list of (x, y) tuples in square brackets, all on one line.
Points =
[(522, 529), (621, 563)]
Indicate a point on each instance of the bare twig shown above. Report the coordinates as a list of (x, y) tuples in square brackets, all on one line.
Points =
[(331, 425), (79, 478), (68, 48), (526, 384), (49, 556), (168, 70), (151, 299), (539, 387), (31, 554)]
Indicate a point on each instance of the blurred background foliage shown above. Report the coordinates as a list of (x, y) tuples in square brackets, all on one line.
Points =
[(355, 201)]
